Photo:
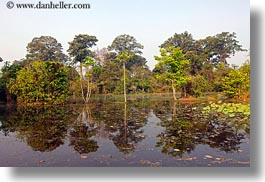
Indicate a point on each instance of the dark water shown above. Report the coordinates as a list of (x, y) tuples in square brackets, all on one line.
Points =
[(141, 133)]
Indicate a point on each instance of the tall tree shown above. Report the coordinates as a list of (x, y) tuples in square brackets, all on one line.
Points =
[(45, 48), (220, 47), (213, 49), (173, 63), (129, 44), (123, 57), (126, 43), (127, 48), (184, 40), (79, 50), (89, 62), (136, 60)]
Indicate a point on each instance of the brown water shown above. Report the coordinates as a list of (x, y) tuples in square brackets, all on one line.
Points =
[(151, 132)]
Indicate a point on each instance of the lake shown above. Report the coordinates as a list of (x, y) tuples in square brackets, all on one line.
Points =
[(145, 132)]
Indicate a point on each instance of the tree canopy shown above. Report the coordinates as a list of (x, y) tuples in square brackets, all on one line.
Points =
[(184, 41), (185, 66), (214, 49), (173, 64), (40, 82), (79, 48), (126, 43), (45, 48), (221, 46)]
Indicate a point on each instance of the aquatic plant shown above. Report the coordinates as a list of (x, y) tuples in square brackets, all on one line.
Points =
[(229, 109)]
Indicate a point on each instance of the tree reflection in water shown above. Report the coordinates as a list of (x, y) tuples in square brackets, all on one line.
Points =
[(47, 128), (187, 128), (129, 132), (81, 132), (44, 129), (122, 122)]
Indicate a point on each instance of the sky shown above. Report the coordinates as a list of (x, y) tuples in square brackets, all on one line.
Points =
[(151, 22)]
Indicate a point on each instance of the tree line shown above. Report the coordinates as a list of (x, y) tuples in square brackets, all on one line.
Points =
[(191, 67)]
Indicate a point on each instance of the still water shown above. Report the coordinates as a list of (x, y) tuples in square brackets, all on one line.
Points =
[(145, 133)]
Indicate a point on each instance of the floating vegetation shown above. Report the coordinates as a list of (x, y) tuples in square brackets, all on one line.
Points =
[(229, 109)]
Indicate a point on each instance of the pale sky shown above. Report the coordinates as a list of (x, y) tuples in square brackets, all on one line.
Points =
[(151, 22)]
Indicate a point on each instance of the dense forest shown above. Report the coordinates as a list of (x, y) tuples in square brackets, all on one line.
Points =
[(186, 67)]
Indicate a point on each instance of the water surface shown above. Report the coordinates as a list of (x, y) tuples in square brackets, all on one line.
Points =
[(145, 132)]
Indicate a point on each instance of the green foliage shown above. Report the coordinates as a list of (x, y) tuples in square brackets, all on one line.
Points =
[(110, 76), (193, 66), (89, 61), (237, 83), (45, 48), (213, 49), (8, 72), (79, 47), (124, 56), (184, 41), (79, 50), (196, 62), (173, 64), (199, 85), (136, 61), (139, 80), (219, 73), (229, 109), (126, 43), (41, 82), (220, 47)]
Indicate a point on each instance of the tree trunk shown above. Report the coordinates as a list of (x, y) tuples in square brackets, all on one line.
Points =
[(81, 82), (124, 82), (174, 91), (88, 94), (174, 111), (185, 92), (125, 121)]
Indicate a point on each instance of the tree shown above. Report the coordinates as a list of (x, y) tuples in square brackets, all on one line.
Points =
[(184, 40), (220, 47), (126, 47), (1, 60), (45, 48), (136, 61), (129, 44), (79, 50), (101, 56), (126, 43), (9, 71), (40, 83), (88, 63), (219, 73), (237, 83), (110, 78), (213, 49), (140, 79), (199, 85), (123, 57), (173, 63)]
